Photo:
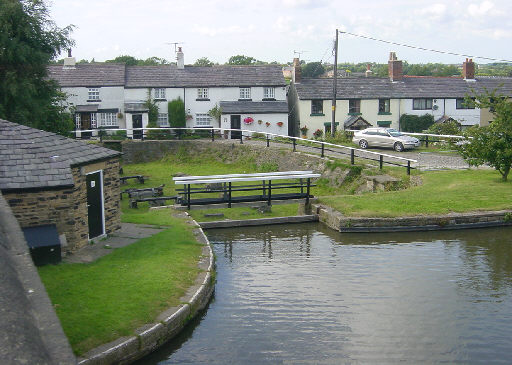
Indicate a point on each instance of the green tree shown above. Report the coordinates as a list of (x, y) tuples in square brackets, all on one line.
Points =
[(313, 69), (204, 62), (491, 145), (176, 109), (448, 128), (242, 60), (416, 124), (29, 40), (128, 60)]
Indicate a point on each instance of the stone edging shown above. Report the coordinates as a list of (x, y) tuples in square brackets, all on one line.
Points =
[(259, 221), (341, 223), (148, 338)]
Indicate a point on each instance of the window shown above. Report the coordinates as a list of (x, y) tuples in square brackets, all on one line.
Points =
[(460, 104), (317, 107), (354, 106), (162, 120), (159, 93), (203, 120), (245, 93), (269, 93), (202, 93), (107, 119), (93, 93), (78, 121), (384, 105), (94, 124), (421, 104)]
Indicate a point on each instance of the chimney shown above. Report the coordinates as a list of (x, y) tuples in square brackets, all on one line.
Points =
[(468, 69), (180, 57), (297, 71), (69, 61), (368, 72), (395, 71)]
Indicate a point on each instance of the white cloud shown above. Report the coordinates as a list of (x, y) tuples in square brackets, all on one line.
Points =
[(485, 8), (283, 24), (304, 3)]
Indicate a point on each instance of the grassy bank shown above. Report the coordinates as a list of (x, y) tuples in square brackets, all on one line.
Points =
[(441, 192), (109, 298), (236, 213)]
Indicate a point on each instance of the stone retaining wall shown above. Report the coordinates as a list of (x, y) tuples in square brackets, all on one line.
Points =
[(341, 223), (148, 338)]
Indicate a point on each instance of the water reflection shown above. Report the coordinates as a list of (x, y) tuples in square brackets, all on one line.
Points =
[(304, 293)]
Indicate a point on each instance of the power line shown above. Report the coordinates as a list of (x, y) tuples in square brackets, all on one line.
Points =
[(425, 49)]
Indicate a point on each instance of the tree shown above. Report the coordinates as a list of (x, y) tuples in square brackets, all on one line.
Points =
[(491, 145), (416, 124), (204, 62), (451, 127), (176, 109), (242, 60), (313, 69), (128, 60), (215, 112), (29, 40)]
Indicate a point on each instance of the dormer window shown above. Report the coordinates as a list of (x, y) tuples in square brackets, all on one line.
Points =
[(245, 93), (93, 94), (269, 93)]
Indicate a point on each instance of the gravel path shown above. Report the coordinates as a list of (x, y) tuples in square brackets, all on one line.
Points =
[(425, 160)]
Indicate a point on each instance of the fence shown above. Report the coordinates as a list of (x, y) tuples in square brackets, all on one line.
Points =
[(240, 134)]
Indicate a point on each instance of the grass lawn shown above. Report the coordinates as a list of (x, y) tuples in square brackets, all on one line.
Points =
[(442, 192), (109, 298), (281, 210)]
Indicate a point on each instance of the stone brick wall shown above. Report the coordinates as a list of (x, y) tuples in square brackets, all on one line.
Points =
[(67, 207)]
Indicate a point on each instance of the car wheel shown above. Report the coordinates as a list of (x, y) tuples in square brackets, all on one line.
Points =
[(399, 147), (363, 144)]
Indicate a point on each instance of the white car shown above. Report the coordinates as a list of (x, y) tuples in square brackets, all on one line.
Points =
[(384, 137)]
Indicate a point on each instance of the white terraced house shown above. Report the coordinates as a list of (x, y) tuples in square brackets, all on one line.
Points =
[(371, 101), (108, 95)]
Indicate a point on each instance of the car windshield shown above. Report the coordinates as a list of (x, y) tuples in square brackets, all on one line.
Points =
[(394, 133)]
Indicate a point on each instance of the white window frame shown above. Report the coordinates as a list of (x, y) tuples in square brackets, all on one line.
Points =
[(202, 93), (163, 120), (159, 93), (203, 120), (78, 121), (269, 92), (94, 121), (93, 93), (245, 93), (422, 104), (107, 120)]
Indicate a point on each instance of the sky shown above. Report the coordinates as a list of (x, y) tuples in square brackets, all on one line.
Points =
[(279, 30)]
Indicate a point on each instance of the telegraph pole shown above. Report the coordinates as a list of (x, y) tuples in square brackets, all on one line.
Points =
[(334, 84)]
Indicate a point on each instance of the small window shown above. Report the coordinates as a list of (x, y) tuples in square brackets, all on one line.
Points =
[(202, 93), (317, 106), (107, 119), (203, 120), (384, 105), (245, 93), (269, 93), (461, 104), (354, 106), (94, 123), (421, 104), (162, 120), (159, 93), (93, 93), (78, 121)]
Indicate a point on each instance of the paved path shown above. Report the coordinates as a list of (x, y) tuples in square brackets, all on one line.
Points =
[(426, 160), (128, 234)]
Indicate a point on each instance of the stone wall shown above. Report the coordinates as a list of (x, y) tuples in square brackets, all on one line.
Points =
[(67, 207)]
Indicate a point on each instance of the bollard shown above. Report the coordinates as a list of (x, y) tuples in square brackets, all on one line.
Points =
[(352, 156), (322, 150), (381, 161), (213, 135)]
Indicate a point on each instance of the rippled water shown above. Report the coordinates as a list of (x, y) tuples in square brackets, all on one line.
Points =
[(305, 294)]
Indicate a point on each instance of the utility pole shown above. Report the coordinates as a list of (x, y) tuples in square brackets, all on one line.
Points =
[(334, 85)]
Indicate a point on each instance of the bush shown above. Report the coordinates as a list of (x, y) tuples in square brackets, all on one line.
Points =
[(416, 124), (318, 133), (451, 127), (176, 110)]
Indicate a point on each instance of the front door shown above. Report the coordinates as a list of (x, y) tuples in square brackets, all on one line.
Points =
[(137, 123), (86, 125), (235, 124), (95, 204)]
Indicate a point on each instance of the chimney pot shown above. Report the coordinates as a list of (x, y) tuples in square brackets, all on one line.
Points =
[(180, 58), (297, 71), (395, 69), (468, 69)]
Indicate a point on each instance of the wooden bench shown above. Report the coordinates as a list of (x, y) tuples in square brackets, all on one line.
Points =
[(140, 178), (146, 192), (155, 201)]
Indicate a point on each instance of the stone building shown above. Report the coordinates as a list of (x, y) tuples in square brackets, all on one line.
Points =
[(48, 179)]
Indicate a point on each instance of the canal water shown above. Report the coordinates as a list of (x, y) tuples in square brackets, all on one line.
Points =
[(304, 294)]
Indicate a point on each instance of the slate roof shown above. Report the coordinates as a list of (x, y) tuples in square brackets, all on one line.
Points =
[(409, 87), (255, 107), (89, 74), (192, 76), (36, 159)]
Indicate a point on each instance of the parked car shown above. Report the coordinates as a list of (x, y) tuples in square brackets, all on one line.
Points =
[(384, 137)]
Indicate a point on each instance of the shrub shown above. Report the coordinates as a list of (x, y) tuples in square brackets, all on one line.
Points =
[(318, 133), (415, 123)]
